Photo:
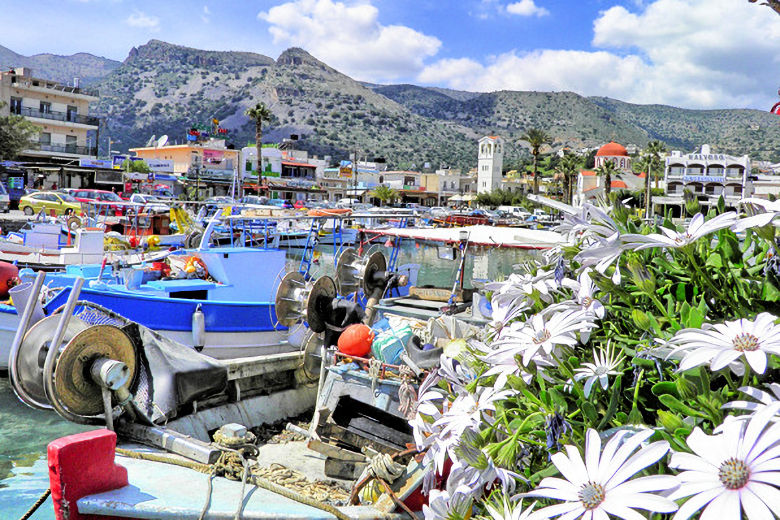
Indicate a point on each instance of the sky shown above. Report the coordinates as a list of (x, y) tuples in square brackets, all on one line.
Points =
[(686, 53)]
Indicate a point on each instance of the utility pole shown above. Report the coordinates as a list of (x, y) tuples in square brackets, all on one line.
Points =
[(354, 179)]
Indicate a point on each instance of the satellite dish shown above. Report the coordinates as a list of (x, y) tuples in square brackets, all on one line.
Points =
[(150, 141), (161, 141)]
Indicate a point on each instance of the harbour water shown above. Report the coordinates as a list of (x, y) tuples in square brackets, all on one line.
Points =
[(24, 432)]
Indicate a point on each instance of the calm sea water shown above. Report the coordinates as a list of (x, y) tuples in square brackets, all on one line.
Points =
[(24, 432)]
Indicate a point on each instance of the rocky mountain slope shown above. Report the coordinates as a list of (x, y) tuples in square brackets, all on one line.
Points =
[(163, 88), (87, 67)]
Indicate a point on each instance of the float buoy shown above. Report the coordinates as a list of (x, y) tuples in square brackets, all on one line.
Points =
[(356, 340)]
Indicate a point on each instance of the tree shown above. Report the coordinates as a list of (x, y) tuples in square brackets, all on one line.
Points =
[(258, 114), (136, 166), (606, 170), (385, 194), (15, 135), (568, 166), (536, 139), (652, 161)]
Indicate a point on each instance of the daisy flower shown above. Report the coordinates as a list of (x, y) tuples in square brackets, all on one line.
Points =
[(604, 365), (600, 486), (735, 471), (542, 333), (443, 505), (603, 253), (762, 400), (467, 410), (509, 512), (722, 343), (697, 228), (761, 212)]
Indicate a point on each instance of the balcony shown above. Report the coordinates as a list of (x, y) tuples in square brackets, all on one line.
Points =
[(57, 116), (64, 148)]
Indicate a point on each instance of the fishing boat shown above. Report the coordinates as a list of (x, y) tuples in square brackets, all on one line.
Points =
[(178, 423)]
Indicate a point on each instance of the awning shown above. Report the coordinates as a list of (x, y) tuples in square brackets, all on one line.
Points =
[(302, 165), (356, 193), (469, 198), (456, 198)]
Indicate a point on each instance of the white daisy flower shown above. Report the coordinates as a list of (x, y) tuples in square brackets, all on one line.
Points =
[(603, 253), (761, 212), (443, 505), (601, 485), (468, 410), (735, 471), (541, 334), (509, 512), (762, 400), (604, 365), (697, 228), (722, 343)]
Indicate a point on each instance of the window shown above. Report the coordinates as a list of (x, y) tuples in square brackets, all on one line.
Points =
[(70, 144), (44, 138), (16, 105), (45, 107), (72, 113)]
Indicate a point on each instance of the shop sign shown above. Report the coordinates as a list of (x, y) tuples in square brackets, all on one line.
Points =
[(702, 178), (160, 165), (95, 163)]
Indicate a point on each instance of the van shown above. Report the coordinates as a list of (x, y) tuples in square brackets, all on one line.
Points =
[(346, 203), (5, 199)]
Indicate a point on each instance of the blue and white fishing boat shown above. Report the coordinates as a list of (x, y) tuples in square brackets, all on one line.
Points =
[(227, 318)]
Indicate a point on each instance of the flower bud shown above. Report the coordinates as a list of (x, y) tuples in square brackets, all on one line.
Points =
[(685, 388), (641, 319), (642, 278), (670, 421)]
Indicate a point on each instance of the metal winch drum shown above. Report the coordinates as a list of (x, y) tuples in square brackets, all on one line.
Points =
[(355, 272), (299, 300), (88, 354)]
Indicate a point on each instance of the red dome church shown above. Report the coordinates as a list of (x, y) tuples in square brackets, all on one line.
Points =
[(616, 153)]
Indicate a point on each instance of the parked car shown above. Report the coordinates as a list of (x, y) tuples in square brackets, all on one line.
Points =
[(149, 203), (60, 203), (282, 203), (255, 199), (102, 197), (222, 199), (347, 203), (439, 212)]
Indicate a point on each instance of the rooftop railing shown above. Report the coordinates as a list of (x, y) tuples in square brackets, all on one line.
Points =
[(55, 86), (64, 148)]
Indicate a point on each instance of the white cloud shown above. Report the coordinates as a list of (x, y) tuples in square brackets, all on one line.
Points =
[(142, 20), (350, 38), (206, 16), (526, 8), (690, 53)]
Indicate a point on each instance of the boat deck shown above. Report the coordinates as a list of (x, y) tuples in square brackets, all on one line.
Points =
[(161, 491)]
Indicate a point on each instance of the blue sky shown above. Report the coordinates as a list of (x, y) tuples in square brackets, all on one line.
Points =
[(689, 53)]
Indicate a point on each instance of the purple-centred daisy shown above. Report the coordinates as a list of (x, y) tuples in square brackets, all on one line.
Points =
[(600, 486)]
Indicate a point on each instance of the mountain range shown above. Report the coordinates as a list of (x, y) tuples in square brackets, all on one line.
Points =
[(161, 88)]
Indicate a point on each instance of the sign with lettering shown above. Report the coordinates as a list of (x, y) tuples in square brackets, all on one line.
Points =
[(95, 163), (160, 165), (708, 157), (702, 178)]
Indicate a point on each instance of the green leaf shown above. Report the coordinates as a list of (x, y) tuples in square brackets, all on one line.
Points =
[(714, 260), (665, 387), (590, 412), (676, 405), (770, 293)]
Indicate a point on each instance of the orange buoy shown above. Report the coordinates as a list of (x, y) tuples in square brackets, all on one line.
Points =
[(356, 340)]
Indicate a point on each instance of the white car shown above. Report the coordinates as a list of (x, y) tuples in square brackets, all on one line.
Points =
[(149, 203)]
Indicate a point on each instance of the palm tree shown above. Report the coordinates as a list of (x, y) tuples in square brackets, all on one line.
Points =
[(536, 139), (606, 170), (568, 166), (384, 193), (258, 114), (652, 160)]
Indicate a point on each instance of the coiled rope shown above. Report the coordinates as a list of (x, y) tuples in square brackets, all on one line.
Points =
[(252, 479)]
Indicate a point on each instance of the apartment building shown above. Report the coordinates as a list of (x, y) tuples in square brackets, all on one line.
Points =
[(61, 112)]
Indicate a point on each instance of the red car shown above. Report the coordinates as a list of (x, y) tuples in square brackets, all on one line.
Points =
[(102, 197)]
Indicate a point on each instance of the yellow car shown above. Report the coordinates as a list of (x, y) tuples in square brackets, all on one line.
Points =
[(50, 201)]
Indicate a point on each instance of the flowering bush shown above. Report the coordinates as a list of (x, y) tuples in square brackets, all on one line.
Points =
[(627, 374)]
